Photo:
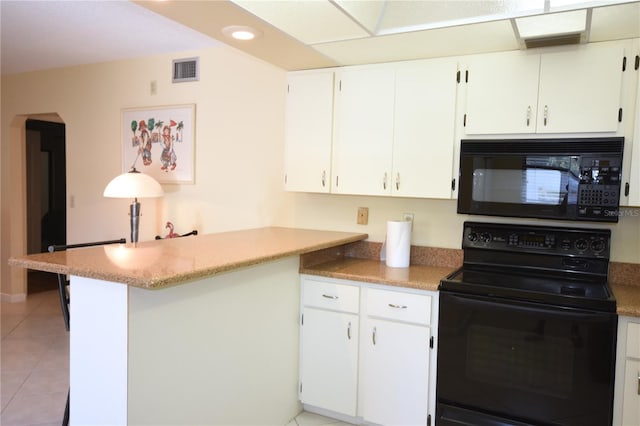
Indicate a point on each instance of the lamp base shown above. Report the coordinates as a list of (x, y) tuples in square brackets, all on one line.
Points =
[(134, 219)]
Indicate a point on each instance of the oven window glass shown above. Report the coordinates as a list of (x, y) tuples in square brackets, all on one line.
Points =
[(529, 361), (518, 180)]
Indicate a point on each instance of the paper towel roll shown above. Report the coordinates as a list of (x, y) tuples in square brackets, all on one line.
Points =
[(398, 243)]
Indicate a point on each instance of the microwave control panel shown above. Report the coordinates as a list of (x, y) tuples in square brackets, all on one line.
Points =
[(599, 186)]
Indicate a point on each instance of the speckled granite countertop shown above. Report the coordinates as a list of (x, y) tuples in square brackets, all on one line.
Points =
[(163, 263), (421, 277), (359, 262)]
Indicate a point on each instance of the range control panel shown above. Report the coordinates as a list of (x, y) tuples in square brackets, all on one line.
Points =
[(538, 239)]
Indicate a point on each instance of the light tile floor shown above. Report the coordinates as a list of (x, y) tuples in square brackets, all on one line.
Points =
[(34, 365), (34, 361)]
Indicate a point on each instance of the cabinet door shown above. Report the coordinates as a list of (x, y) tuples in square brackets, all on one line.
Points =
[(329, 360), (580, 90), (308, 129), (395, 373), (363, 131), (502, 93), (634, 180), (423, 141), (631, 403)]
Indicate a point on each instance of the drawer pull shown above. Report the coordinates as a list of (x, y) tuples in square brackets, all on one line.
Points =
[(328, 296), (391, 305)]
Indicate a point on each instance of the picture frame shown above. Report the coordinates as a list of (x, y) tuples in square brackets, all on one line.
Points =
[(160, 141)]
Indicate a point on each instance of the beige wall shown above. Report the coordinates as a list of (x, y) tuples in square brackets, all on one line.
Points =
[(436, 222), (239, 159), (239, 145)]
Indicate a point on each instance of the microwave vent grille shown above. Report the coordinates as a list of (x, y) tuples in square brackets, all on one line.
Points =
[(544, 146)]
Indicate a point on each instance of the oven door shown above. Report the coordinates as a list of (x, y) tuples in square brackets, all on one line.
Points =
[(513, 363), (519, 185)]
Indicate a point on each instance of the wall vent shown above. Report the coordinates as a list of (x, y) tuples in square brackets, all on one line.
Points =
[(187, 69)]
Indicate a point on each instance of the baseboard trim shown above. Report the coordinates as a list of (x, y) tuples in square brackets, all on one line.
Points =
[(13, 298)]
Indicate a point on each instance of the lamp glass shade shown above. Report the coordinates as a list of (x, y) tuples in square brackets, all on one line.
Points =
[(133, 184)]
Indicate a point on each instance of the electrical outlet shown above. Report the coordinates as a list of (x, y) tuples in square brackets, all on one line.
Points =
[(407, 217), (363, 215)]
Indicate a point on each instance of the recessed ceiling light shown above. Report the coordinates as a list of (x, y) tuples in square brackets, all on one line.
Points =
[(240, 32)]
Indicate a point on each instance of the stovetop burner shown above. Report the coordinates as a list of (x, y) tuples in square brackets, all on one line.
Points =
[(559, 266)]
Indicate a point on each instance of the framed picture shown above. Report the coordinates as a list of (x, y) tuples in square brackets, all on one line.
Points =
[(160, 141)]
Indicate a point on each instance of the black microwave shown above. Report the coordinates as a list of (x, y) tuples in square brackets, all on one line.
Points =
[(565, 179)]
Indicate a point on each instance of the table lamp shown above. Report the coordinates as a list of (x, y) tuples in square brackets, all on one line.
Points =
[(133, 184)]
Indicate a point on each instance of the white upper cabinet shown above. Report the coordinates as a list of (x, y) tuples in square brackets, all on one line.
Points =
[(363, 130), (580, 90), (634, 180), (308, 129), (424, 124), (394, 129), (502, 93), (576, 91)]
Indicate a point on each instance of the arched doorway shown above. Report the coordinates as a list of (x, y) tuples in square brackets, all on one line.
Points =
[(46, 193)]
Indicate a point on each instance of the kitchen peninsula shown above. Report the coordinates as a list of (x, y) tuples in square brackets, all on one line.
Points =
[(196, 330)]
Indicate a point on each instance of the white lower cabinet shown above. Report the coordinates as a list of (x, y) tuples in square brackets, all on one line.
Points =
[(394, 361), (330, 348), (329, 325), (627, 397), (394, 369), (631, 401)]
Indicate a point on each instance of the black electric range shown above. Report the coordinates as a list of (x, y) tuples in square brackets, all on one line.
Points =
[(527, 328)]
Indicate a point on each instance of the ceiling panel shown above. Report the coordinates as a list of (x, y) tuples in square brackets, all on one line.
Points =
[(440, 13), (311, 22), (368, 12), (615, 22)]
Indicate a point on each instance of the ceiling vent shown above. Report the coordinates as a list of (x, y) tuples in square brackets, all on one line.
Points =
[(187, 69), (556, 40)]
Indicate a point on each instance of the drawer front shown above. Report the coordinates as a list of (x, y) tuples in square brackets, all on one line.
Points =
[(337, 297), (633, 340), (414, 308)]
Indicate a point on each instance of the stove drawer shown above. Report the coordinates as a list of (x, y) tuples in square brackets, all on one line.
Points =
[(413, 308)]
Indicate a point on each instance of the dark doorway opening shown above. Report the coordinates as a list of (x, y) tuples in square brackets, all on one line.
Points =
[(46, 195)]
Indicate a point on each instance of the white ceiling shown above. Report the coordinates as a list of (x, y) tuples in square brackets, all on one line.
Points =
[(37, 35), (296, 34)]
